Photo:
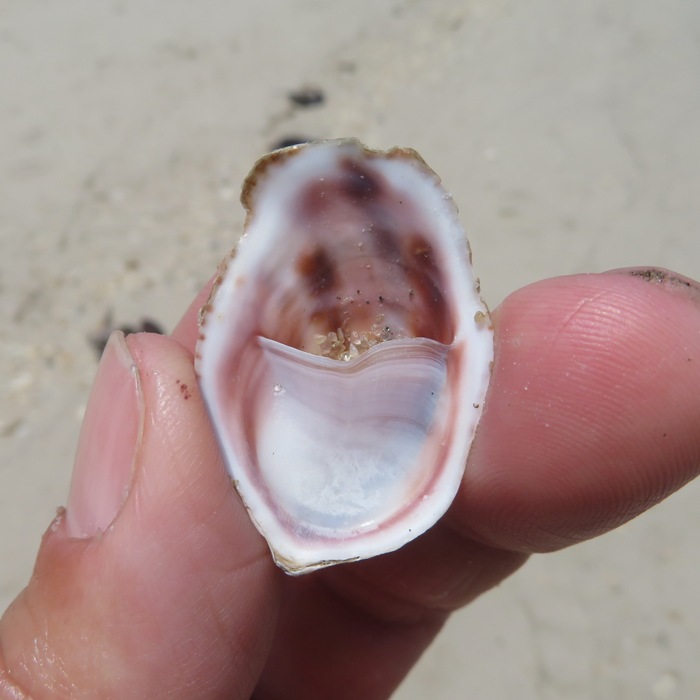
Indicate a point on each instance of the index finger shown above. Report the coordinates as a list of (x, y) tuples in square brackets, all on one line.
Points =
[(593, 409)]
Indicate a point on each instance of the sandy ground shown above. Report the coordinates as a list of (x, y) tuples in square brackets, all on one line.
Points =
[(569, 134)]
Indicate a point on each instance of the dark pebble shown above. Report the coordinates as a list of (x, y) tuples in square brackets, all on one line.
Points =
[(307, 97)]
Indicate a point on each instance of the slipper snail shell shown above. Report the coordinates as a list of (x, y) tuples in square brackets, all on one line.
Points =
[(345, 352)]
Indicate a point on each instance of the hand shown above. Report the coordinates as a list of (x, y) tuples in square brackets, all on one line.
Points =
[(153, 583)]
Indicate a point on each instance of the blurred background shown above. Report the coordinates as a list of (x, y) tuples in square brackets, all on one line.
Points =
[(569, 135)]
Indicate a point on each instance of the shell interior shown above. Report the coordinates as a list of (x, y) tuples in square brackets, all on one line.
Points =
[(345, 352)]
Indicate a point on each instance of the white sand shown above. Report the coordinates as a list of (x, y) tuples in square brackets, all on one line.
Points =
[(569, 134)]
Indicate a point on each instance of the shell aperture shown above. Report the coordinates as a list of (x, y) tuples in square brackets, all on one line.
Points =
[(345, 352)]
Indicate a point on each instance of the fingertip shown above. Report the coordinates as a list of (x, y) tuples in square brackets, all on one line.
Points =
[(592, 411)]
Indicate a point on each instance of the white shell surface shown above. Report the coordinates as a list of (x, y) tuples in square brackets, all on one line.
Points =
[(345, 353)]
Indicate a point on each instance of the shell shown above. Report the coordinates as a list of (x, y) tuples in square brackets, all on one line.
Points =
[(345, 352)]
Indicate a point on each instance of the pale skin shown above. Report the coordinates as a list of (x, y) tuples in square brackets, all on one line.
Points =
[(169, 592)]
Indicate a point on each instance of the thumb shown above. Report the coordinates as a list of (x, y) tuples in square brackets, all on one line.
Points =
[(152, 582)]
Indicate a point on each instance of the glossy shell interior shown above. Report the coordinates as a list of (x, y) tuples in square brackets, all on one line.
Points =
[(345, 352)]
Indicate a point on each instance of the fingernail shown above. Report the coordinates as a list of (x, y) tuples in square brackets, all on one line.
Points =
[(109, 443), (661, 277)]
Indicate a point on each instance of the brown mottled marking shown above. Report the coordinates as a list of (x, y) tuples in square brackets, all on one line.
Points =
[(358, 182), (385, 243), (317, 270), (327, 319), (425, 281), (422, 251)]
